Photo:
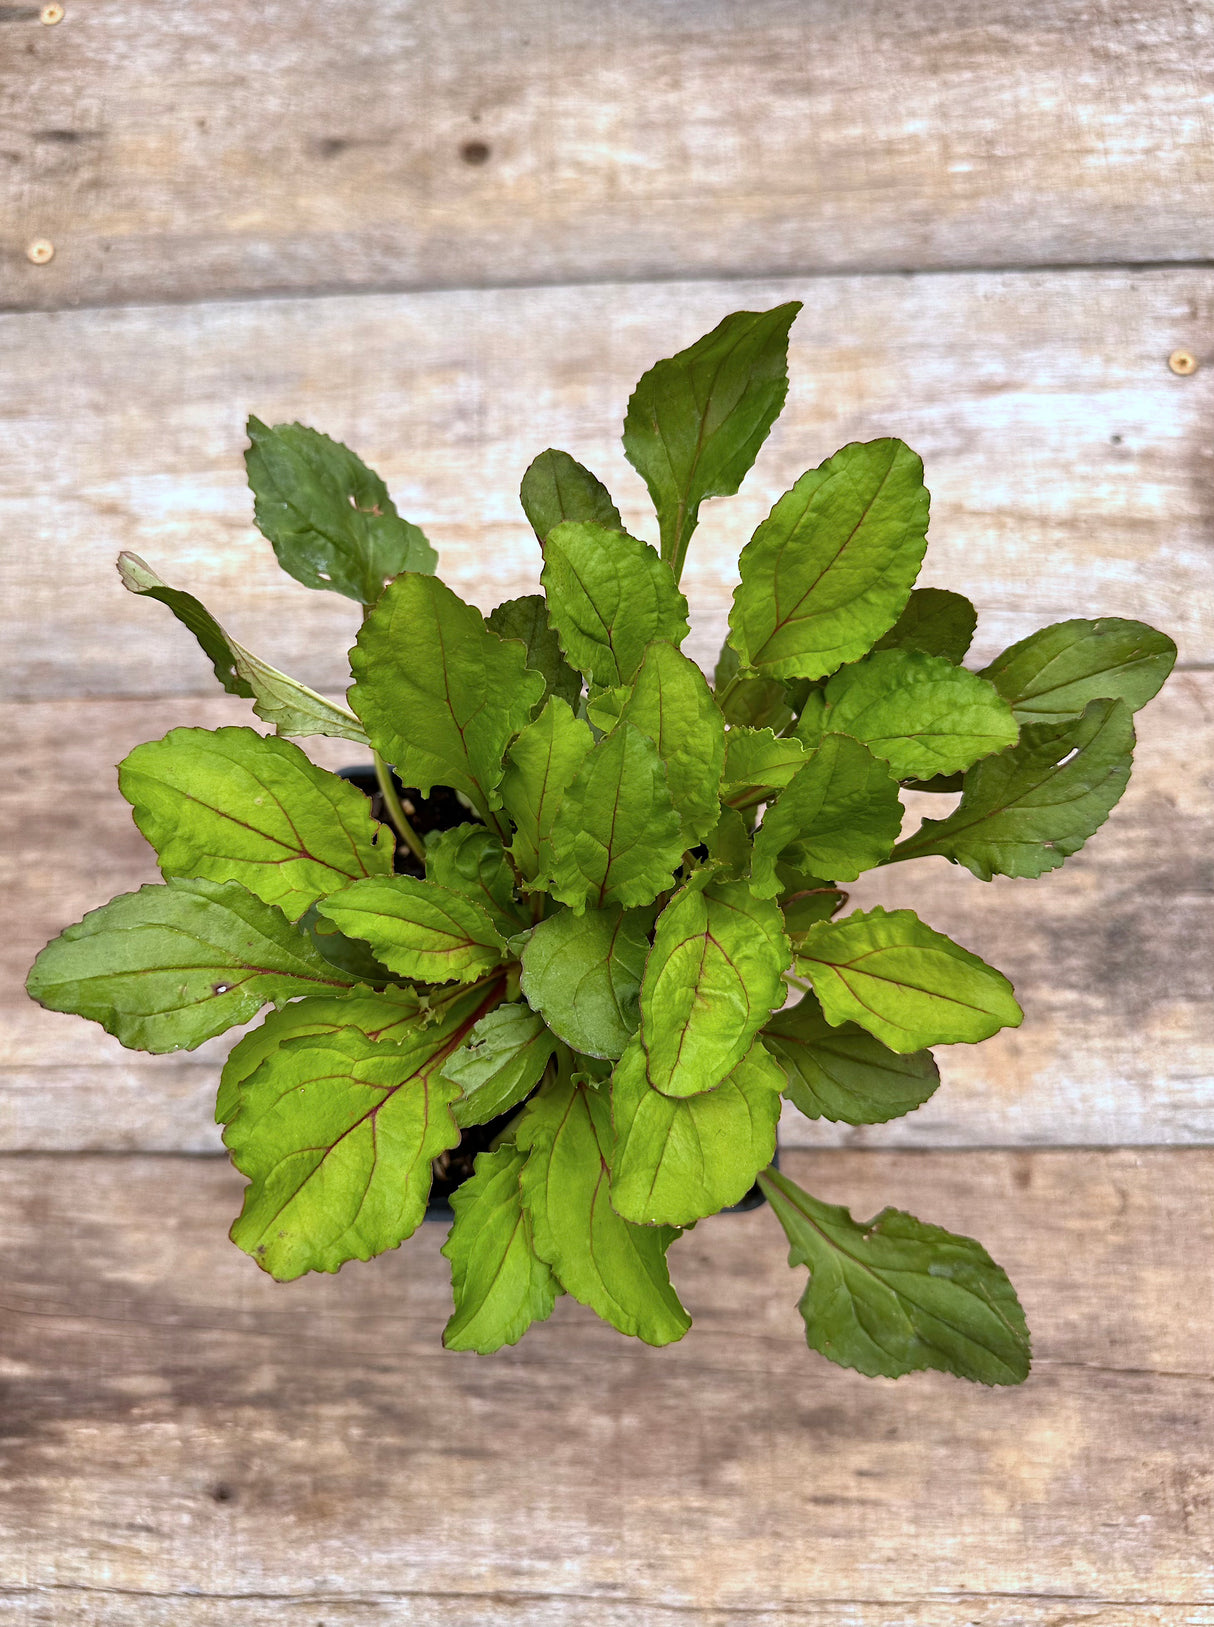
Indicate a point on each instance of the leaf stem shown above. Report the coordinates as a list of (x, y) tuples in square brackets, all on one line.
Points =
[(722, 695), (395, 812)]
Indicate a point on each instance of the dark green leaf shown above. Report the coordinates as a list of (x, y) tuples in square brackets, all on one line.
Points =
[(328, 516), (919, 713), (440, 695), (671, 703), (500, 1063), (728, 844), (470, 859), (290, 706), (347, 954), (617, 837), (500, 1284), (388, 1014), (167, 967), (617, 1269), (527, 619), (676, 1161), (1053, 674), (557, 487), (896, 1295), (609, 597), (696, 421), (584, 973), (418, 928), (336, 1133), (1022, 813), (755, 702), (233, 805), (905, 983), (830, 569), (935, 621), (540, 766), (806, 905), (843, 1073), (838, 816), (713, 979)]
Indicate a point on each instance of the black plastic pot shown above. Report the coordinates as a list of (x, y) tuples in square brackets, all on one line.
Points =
[(443, 810)]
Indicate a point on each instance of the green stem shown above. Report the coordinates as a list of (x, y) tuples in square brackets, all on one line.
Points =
[(723, 695), (395, 812)]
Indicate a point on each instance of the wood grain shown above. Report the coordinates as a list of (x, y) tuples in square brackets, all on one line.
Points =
[(177, 1424), (201, 148), (1070, 470), (1111, 955)]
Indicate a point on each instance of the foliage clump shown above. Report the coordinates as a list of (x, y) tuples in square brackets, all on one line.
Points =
[(597, 959)]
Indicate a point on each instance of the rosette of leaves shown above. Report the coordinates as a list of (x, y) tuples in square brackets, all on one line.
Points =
[(635, 945)]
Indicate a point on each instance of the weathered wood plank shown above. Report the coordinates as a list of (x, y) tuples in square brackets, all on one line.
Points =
[(204, 149), (94, 1607), (1071, 471), (1111, 956), (178, 1424)]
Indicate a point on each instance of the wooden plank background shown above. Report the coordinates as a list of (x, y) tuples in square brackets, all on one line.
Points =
[(451, 236)]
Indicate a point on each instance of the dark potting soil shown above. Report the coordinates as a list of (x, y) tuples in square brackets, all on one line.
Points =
[(443, 810)]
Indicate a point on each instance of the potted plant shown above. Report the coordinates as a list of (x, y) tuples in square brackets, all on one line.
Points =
[(553, 961)]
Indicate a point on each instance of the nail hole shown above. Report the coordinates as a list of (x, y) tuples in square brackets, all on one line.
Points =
[(1183, 362), (475, 152), (223, 1493), (1116, 439), (40, 251)]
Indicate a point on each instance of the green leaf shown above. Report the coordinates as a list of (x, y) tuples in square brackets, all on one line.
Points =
[(337, 1133), (672, 704), (758, 761), (803, 905), (470, 859), (617, 837), (905, 983), (919, 713), (1027, 810), (830, 569), (754, 702), (896, 1295), (728, 844), (347, 954), (609, 597), (540, 766), (233, 805), (500, 1284), (527, 619), (843, 1073), (290, 706), (714, 977), (696, 421), (838, 816), (935, 621), (500, 1063), (557, 487), (617, 1269), (605, 706), (1053, 674), (386, 1014), (167, 967), (418, 928), (676, 1161), (583, 972), (439, 693), (328, 516)]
